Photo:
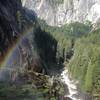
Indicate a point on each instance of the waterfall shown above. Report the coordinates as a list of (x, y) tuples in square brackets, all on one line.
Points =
[(72, 87)]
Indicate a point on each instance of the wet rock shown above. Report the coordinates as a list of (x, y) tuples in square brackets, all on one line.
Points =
[(66, 91), (76, 96), (67, 98)]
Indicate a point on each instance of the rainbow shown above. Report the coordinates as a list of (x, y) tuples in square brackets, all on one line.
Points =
[(11, 50)]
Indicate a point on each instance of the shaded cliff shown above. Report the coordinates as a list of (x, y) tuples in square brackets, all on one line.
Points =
[(8, 22), (13, 21), (23, 45), (11, 12)]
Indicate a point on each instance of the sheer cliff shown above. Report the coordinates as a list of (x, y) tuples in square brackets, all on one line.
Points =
[(59, 12)]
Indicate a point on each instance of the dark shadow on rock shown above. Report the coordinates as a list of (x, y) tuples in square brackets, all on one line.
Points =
[(46, 45), (9, 26)]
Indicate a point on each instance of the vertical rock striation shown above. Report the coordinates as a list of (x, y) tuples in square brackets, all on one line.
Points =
[(59, 13)]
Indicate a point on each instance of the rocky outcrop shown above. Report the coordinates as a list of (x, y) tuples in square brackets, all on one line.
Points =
[(56, 13), (26, 44), (14, 21), (8, 22)]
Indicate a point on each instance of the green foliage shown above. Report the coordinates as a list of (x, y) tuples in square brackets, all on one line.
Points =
[(89, 78), (65, 36), (87, 22), (28, 91), (8, 91), (85, 64)]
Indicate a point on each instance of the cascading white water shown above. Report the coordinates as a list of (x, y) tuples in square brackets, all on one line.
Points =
[(73, 92)]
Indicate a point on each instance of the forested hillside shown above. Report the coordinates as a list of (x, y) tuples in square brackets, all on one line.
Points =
[(66, 36), (79, 46), (85, 63)]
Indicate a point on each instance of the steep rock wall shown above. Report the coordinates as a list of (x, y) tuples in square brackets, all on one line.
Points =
[(59, 13)]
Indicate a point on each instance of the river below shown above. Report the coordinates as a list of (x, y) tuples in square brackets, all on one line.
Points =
[(72, 86)]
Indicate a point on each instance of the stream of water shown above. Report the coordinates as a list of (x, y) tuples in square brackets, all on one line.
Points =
[(72, 87)]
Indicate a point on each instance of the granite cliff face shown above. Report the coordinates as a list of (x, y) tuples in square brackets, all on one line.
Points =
[(8, 23), (14, 21), (59, 12)]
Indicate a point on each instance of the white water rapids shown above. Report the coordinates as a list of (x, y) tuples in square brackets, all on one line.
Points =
[(73, 92)]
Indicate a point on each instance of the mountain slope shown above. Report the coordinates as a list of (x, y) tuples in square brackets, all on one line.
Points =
[(85, 63)]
